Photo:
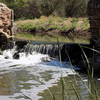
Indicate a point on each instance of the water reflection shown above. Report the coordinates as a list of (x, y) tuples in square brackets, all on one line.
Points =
[(11, 82), (23, 83), (74, 89), (26, 77), (27, 82)]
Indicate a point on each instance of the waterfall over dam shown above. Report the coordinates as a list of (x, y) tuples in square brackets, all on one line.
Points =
[(30, 72), (62, 51)]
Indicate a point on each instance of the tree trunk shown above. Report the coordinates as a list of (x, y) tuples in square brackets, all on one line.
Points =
[(94, 18)]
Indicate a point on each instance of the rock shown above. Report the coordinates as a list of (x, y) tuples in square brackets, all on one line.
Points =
[(75, 53), (6, 19), (16, 55), (6, 57), (20, 44), (6, 25)]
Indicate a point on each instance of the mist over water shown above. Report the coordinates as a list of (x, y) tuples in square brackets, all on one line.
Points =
[(30, 74)]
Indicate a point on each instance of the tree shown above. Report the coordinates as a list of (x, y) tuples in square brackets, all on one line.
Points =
[(36, 8)]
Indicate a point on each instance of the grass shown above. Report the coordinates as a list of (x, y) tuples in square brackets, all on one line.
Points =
[(54, 23), (47, 38), (65, 90), (49, 28)]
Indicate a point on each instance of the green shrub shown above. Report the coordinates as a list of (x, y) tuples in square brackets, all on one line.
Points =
[(28, 9), (53, 23)]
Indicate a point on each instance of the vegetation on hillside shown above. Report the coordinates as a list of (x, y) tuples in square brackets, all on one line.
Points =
[(53, 23), (26, 9)]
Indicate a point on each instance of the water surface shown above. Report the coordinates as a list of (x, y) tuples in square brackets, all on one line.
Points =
[(26, 77), (36, 76)]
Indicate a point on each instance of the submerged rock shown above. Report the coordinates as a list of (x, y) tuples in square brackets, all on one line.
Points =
[(16, 55)]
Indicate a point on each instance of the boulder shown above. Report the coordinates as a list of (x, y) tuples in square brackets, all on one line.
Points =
[(6, 20), (6, 25)]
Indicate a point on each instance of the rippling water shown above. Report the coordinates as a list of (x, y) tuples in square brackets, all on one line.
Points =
[(26, 77)]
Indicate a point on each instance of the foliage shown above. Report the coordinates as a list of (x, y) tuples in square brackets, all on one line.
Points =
[(52, 26), (53, 23), (26, 9)]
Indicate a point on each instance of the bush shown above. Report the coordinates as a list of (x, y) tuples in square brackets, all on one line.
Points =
[(26, 9), (53, 23)]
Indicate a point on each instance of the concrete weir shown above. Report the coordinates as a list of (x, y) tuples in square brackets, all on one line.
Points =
[(62, 51)]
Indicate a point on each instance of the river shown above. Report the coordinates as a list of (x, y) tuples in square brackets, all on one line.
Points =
[(31, 76)]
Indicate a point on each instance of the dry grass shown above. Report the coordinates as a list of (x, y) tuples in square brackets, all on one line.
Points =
[(53, 23), (49, 28)]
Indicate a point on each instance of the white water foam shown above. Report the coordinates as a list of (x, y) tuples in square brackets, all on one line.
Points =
[(35, 65), (6, 59)]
